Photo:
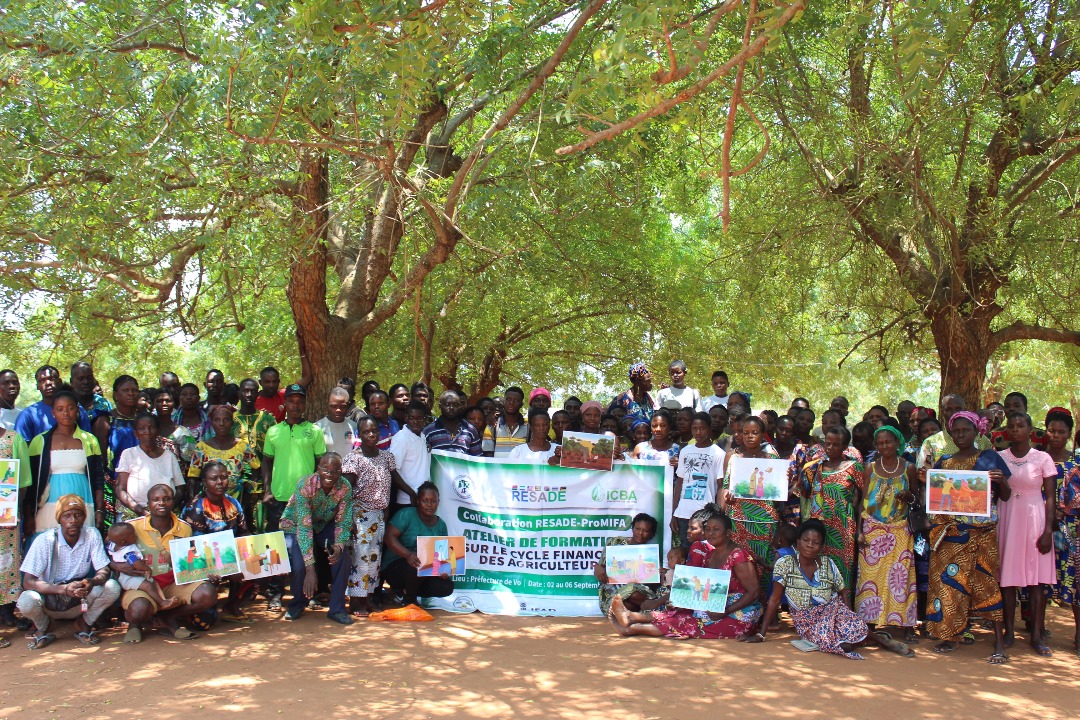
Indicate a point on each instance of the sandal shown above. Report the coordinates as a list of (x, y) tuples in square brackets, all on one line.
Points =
[(88, 637), (133, 635), (1043, 650), (895, 646), (41, 641), (968, 638), (4, 642), (944, 647), (238, 618), (180, 633), (998, 658)]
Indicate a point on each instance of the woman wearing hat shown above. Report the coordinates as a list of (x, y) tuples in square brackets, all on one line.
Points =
[(885, 593), (637, 401)]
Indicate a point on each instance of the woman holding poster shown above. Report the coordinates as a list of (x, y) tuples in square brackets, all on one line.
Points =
[(12, 447), (754, 521), (743, 609), (215, 510), (643, 530), (964, 556)]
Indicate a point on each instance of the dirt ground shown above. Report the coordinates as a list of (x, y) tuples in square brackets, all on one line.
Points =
[(480, 666)]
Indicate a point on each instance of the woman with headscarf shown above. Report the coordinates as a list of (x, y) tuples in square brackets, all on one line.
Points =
[(964, 548), (638, 402), (591, 414), (886, 586)]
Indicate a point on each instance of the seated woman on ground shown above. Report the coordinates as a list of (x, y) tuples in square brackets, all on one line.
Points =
[(743, 609), (400, 561), (817, 599), (643, 530), (215, 510)]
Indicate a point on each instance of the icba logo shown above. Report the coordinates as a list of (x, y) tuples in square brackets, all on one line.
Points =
[(601, 494)]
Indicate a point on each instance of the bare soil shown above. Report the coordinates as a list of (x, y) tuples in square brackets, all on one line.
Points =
[(480, 666)]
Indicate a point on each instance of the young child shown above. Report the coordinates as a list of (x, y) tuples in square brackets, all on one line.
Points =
[(783, 543), (685, 397), (128, 563), (700, 466), (676, 556)]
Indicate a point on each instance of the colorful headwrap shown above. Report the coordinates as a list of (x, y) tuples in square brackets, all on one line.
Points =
[(980, 423), (639, 422), (69, 502), (896, 433), (929, 412), (638, 371), (590, 405), (1058, 409)]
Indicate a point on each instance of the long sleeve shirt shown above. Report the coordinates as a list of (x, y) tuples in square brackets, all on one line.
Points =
[(310, 509)]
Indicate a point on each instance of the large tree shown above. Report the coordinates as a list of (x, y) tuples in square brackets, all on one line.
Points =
[(944, 136), (173, 160)]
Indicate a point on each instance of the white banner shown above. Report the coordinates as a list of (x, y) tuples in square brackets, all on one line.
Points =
[(533, 532)]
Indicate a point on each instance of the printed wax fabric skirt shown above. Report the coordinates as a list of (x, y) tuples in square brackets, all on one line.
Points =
[(1067, 554), (830, 625), (367, 554), (682, 623), (886, 593)]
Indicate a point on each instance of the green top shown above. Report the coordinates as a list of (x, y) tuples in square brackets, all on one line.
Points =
[(252, 429), (310, 510), (20, 452), (408, 521), (294, 449)]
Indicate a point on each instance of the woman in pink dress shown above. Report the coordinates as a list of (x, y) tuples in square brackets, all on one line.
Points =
[(1025, 529)]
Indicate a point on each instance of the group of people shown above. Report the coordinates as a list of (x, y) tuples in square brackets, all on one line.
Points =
[(850, 553)]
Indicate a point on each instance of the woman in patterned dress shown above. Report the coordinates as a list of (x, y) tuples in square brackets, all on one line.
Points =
[(1059, 427), (886, 586), (829, 483), (754, 521), (12, 447), (372, 472)]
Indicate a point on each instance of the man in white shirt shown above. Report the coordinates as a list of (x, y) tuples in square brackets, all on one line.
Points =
[(338, 431), (686, 397), (409, 448), (720, 391), (9, 393)]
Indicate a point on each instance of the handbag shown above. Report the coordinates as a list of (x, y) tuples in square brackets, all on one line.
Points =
[(917, 520)]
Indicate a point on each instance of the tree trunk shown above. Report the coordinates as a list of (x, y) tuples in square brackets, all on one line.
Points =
[(964, 349), (338, 356), (329, 341)]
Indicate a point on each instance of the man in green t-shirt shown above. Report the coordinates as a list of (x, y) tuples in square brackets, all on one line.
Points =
[(290, 451)]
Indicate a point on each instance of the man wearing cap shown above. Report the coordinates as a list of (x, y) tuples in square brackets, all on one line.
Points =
[(510, 428), (290, 451), (66, 576)]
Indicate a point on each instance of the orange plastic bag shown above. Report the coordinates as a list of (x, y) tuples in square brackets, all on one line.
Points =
[(409, 613)]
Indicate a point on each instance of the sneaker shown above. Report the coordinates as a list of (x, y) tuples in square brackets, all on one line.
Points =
[(275, 602), (290, 615), (340, 617)]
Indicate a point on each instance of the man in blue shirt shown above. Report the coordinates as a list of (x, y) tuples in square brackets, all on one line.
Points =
[(38, 418)]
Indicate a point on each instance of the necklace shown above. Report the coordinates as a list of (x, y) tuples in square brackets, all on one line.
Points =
[(889, 472)]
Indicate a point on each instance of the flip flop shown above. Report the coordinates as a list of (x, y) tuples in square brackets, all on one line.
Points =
[(239, 619), (87, 637), (895, 646), (178, 634), (133, 635), (1042, 650), (41, 641), (998, 658), (4, 642), (943, 649)]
